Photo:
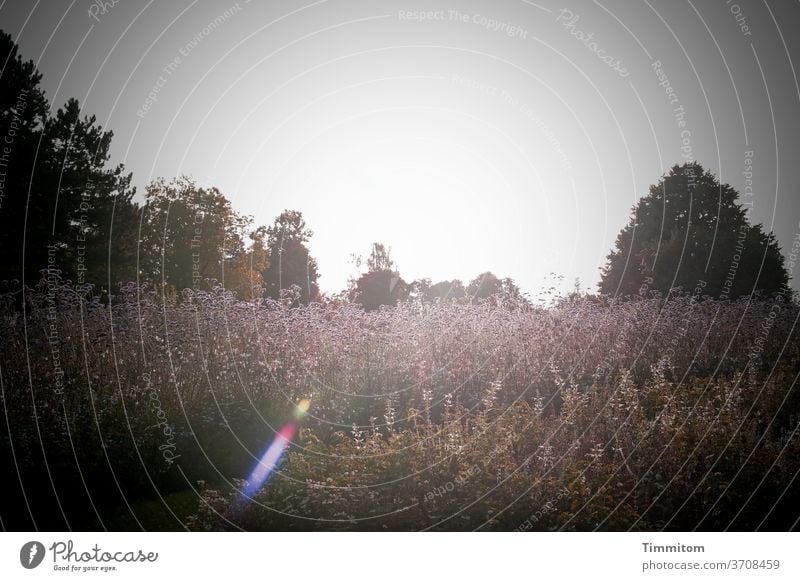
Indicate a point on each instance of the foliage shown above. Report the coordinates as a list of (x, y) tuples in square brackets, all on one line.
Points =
[(192, 235), (381, 284), (488, 285), (691, 229), (290, 263), (60, 199), (380, 258), (423, 290)]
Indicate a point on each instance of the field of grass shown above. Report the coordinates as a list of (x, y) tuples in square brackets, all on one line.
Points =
[(587, 415)]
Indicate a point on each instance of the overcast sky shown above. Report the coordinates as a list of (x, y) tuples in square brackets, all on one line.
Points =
[(473, 135)]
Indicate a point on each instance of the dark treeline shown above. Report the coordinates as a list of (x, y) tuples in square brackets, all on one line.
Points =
[(68, 215)]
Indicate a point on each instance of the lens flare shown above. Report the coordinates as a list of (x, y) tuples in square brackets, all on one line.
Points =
[(302, 408), (270, 459)]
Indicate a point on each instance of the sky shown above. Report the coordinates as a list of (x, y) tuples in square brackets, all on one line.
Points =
[(509, 136)]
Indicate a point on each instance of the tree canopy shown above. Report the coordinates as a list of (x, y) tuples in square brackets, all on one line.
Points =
[(488, 285), (67, 212), (425, 291), (62, 207), (192, 236), (381, 284), (290, 262), (691, 232)]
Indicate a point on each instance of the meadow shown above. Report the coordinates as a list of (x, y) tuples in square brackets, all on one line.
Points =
[(588, 414)]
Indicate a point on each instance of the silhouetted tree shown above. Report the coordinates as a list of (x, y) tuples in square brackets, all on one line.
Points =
[(483, 286), (192, 236), (422, 290), (384, 287), (380, 258), (418, 289), (489, 285), (290, 262), (253, 264), (58, 199), (381, 284), (691, 231), (98, 227), (512, 293), (447, 289)]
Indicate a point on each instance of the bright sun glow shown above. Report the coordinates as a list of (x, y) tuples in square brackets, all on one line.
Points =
[(453, 195)]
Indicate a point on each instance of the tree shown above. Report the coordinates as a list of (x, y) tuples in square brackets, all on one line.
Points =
[(689, 232), (423, 290), (483, 286), (385, 287), (23, 114), (61, 207), (447, 290), (380, 258), (381, 284), (191, 236), (419, 290), (511, 293), (246, 274), (488, 285), (290, 262), (95, 216)]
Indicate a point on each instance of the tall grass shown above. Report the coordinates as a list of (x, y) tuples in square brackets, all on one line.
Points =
[(591, 414)]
